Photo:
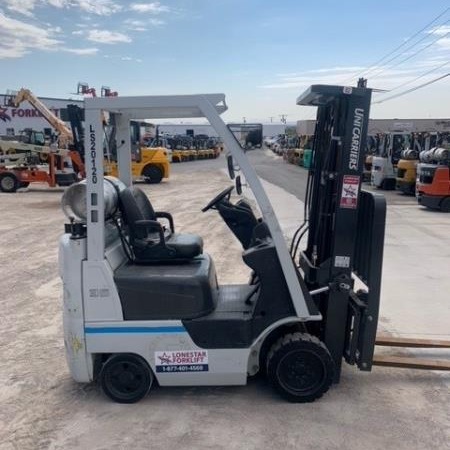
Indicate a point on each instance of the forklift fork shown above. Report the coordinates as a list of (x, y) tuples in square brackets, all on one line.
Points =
[(411, 362)]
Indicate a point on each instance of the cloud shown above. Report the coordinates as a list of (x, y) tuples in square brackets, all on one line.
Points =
[(107, 37), (58, 3), (24, 7), (142, 25), (153, 7), (156, 22), (388, 76), (123, 58), (134, 23), (18, 38), (440, 30), (82, 51), (78, 32), (99, 7), (380, 77), (444, 43)]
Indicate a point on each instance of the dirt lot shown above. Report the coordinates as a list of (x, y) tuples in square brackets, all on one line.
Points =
[(41, 407)]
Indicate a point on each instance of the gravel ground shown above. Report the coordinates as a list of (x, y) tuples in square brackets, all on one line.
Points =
[(43, 408)]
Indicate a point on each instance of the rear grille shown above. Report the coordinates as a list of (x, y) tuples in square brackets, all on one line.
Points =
[(426, 175)]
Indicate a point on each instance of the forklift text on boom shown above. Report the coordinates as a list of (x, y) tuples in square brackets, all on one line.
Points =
[(356, 138)]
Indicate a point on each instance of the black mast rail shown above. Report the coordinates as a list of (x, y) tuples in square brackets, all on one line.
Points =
[(346, 226)]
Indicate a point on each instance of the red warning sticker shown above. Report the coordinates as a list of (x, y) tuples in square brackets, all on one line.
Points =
[(350, 188)]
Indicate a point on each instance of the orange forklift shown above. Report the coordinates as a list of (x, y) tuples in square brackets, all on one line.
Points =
[(433, 177), (407, 165)]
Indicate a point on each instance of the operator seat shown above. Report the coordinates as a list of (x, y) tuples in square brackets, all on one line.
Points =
[(240, 219), (150, 241)]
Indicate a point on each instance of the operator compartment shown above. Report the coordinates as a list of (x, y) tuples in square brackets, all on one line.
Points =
[(168, 277), (167, 291)]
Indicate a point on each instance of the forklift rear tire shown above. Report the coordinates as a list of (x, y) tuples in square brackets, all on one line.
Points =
[(152, 174), (9, 183), (126, 378), (300, 367), (445, 205)]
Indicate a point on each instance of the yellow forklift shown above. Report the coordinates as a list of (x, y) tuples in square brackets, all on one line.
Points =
[(149, 164), (407, 165)]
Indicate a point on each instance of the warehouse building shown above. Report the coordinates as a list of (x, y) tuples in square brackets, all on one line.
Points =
[(13, 120)]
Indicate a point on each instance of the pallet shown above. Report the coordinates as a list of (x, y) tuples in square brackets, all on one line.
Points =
[(411, 362)]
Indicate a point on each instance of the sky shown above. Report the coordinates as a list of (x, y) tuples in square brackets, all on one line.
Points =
[(262, 54)]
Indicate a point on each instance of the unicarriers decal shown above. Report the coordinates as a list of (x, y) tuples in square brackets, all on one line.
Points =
[(355, 146)]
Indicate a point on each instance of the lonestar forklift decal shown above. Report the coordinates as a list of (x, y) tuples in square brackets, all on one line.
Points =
[(182, 361)]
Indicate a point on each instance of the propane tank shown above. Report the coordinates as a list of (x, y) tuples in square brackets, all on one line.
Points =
[(73, 201), (438, 155), (409, 154)]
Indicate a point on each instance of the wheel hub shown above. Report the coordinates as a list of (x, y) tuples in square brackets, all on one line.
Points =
[(300, 371), (8, 183), (126, 378)]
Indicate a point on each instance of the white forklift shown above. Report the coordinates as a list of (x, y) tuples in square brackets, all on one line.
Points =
[(384, 163), (142, 304)]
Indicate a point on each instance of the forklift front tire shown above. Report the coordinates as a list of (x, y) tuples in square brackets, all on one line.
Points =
[(300, 367), (126, 378), (152, 174), (9, 183), (445, 205)]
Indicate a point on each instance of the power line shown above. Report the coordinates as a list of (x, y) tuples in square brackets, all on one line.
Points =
[(383, 69), (412, 89), (420, 76), (399, 46)]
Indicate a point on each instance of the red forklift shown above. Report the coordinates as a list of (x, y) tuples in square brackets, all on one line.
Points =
[(433, 176)]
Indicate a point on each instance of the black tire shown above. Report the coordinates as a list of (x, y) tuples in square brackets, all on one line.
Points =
[(24, 184), (152, 174), (445, 205), (126, 378), (8, 183), (300, 367)]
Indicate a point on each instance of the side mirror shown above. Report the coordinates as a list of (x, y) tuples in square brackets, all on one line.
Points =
[(230, 166), (238, 185)]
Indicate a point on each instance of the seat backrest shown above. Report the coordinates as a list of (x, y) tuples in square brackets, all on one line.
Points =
[(135, 205), (240, 219)]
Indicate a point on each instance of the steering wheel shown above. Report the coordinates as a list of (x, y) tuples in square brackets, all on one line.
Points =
[(218, 198)]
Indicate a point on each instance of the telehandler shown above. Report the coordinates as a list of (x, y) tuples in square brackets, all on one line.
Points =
[(142, 304)]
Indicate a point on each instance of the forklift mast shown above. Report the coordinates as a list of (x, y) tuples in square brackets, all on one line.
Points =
[(75, 116), (346, 225)]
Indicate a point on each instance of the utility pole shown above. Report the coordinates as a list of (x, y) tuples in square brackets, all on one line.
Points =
[(244, 119), (271, 119), (283, 118)]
